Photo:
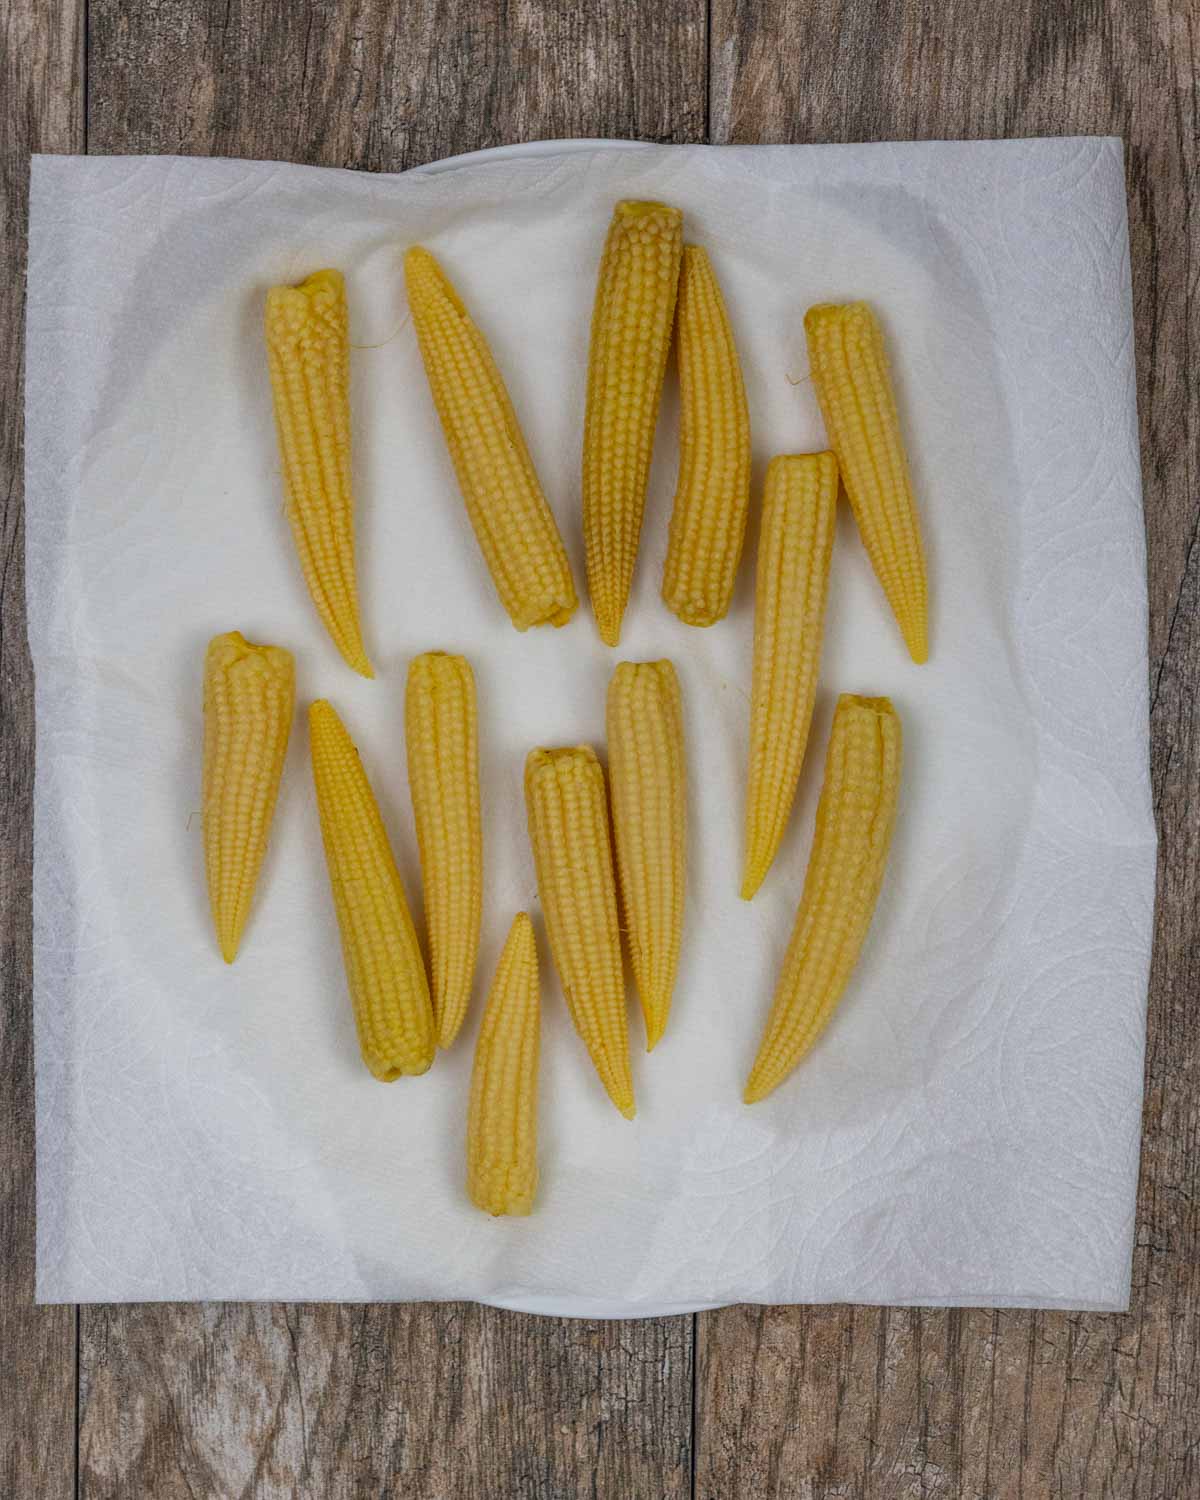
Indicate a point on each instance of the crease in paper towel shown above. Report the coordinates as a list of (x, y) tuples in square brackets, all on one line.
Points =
[(967, 1130)]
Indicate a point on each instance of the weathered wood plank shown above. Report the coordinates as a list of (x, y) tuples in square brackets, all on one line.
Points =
[(335, 1402), (40, 110), (383, 87), (436, 1400), (860, 1402)]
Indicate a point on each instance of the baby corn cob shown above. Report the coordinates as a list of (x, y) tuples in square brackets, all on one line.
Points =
[(631, 335), (443, 776), (568, 829), (502, 1169), (845, 870), (708, 522), (854, 387), (384, 967), (249, 695), (308, 356), (794, 547), (513, 524), (647, 776)]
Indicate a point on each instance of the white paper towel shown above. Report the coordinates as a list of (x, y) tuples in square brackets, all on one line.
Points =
[(967, 1130)]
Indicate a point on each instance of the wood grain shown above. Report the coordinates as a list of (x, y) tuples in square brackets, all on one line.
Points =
[(446, 1401), (867, 1402), (40, 110), (370, 84), (812, 1403), (459, 1402)]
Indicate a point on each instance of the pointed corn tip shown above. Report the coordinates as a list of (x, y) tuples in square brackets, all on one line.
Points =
[(656, 1015), (609, 635), (750, 885), (520, 934), (628, 1110), (918, 649), (357, 660), (753, 1092), (229, 952)]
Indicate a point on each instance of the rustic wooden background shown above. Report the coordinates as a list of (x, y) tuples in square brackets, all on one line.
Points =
[(462, 1403)]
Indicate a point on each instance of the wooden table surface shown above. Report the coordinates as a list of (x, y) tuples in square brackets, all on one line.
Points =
[(461, 1402)]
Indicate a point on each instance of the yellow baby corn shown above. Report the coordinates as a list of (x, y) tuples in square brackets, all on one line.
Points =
[(502, 1169), (649, 796), (443, 776), (513, 524), (794, 547), (568, 829), (384, 967), (708, 523), (308, 356), (853, 384), (249, 695), (631, 336), (845, 870)]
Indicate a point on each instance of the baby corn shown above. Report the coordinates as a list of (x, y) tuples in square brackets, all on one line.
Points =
[(712, 497), (794, 547), (853, 384), (308, 357), (514, 525), (631, 336), (649, 797), (384, 967), (443, 777), (568, 829), (845, 870), (502, 1122), (249, 695)]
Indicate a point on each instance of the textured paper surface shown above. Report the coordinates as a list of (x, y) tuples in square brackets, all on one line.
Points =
[(967, 1130)]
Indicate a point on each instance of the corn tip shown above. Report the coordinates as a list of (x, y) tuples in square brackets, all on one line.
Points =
[(643, 208), (756, 1090), (656, 1011), (515, 1208), (820, 312), (698, 619)]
